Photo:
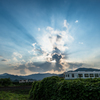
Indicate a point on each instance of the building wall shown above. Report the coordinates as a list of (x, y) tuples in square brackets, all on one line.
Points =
[(76, 75)]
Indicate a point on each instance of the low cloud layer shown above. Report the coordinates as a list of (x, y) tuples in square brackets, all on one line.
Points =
[(3, 60), (47, 67), (75, 65), (40, 67)]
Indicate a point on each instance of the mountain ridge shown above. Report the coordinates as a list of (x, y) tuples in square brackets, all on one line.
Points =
[(40, 76)]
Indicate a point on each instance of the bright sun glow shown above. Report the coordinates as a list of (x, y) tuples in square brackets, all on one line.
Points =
[(54, 61)]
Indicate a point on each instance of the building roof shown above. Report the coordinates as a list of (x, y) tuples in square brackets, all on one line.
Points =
[(84, 72)]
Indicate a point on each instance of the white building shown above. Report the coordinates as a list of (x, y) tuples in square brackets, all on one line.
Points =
[(82, 74), (23, 81), (26, 81)]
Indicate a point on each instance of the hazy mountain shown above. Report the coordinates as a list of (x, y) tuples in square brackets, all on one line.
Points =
[(32, 76), (85, 69), (12, 77), (40, 76)]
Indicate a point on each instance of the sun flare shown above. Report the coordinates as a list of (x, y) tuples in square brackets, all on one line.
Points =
[(54, 61)]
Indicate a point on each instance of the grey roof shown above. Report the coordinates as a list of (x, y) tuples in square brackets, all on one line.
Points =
[(85, 72)]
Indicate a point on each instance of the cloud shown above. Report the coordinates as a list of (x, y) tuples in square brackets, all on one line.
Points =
[(57, 58), (56, 50), (20, 67), (73, 66), (40, 67), (49, 28), (80, 42), (15, 59), (50, 46), (76, 21), (17, 54), (9, 64), (0, 56), (33, 44), (4, 60), (38, 29), (58, 38), (66, 24), (22, 71), (44, 67)]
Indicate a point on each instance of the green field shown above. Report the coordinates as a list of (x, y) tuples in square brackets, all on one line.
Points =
[(14, 95)]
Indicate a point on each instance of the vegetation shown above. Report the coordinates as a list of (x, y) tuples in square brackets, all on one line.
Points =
[(53, 88), (5, 82), (22, 84), (14, 95)]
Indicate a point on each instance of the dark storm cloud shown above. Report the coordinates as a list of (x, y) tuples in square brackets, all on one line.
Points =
[(39, 67), (57, 58), (22, 71), (58, 37), (20, 67), (56, 50), (3, 60), (46, 66), (56, 55)]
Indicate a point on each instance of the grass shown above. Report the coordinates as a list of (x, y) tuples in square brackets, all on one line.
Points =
[(14, 95)]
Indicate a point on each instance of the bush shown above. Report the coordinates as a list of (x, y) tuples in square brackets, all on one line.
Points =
[(5, 81), (44, 89), (53, 88)]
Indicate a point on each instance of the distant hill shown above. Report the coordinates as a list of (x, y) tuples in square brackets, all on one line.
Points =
[(32, 76), (39, 76), (85, 69), (12, 77)]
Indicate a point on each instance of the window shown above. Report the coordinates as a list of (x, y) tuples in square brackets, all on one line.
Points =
[(72, 75), (91, 75), (96, 75), (68, 75), (86, 75), (80, 75)]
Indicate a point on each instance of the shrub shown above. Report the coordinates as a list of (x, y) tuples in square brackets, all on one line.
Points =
[(44, 89), (53, 88), (5, 81)]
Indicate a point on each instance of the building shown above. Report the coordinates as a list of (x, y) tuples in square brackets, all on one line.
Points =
[(82, 74), (26, 81), (23, 81)]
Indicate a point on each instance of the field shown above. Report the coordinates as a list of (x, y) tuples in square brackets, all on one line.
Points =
[(14, 91), (54, 88), (14, 95)]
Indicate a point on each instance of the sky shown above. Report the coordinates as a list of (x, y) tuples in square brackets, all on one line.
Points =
[(49, 36)]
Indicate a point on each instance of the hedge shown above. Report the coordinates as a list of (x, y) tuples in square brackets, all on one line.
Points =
[(54, 88)]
